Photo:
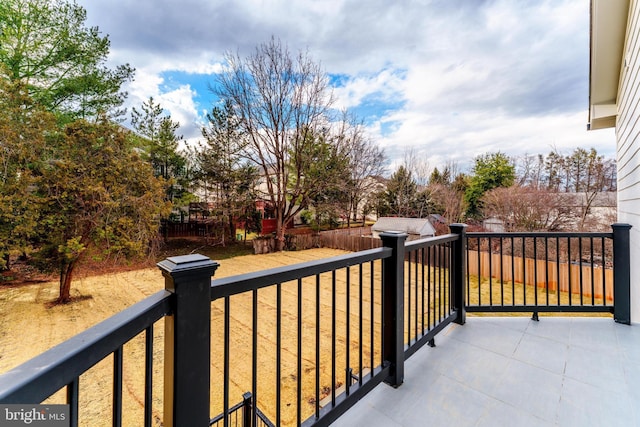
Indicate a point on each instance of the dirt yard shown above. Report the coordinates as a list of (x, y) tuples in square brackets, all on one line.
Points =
[(29, 326)]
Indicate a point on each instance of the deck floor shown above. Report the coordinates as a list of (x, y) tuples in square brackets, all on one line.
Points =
[(499, 371)]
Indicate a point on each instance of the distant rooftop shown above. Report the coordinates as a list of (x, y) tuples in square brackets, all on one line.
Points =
[(412, 226)]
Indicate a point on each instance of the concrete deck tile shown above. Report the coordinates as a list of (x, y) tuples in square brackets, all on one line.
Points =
[(561, 372), (543, 353)]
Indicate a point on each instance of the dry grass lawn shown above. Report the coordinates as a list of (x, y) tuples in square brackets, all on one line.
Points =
[(28, 327)]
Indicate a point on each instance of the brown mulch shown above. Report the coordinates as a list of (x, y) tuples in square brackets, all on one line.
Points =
[(22, 273)]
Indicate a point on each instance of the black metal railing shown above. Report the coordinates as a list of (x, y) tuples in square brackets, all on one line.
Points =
[(430, 283), (242, 415), (348, 314), (309, 340), (61, 367), (548, 272)]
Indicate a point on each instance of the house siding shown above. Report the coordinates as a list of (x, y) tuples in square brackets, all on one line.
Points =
[(628, 148)]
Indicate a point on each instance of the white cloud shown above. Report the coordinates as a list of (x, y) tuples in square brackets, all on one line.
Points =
[(180, 104), (385, 86), (452, 78), (461, 138)]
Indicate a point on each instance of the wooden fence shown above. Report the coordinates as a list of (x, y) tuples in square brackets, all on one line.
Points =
[(353, 231), (596, 281), (350, 239), (186, 229), (542, 273)]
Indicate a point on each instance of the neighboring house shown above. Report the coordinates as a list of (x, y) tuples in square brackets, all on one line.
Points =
[(614, 101), (493, 224), (416, 228), (437, 219), (200, 211), (601, 212), (372, 186), (567, 215)]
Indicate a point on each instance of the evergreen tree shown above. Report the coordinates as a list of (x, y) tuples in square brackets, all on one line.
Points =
[(490, 171), (46, 46), (97, 192), (23, 127), (326, 178), (159, 141), (227, 178), (401, 197)]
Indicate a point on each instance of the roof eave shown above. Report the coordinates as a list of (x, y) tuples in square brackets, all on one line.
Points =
[(608, 29)]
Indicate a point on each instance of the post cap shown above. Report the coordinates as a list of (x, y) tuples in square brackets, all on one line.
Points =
[(458, 225), (187, 264), (622, 226), (392, 233)]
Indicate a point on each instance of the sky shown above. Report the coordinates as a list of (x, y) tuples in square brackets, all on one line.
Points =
[(440, 80)]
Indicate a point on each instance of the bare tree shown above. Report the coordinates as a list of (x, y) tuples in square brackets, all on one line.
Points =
[(418, 166), (282, 102), (582, 172), (446, 189), (453, 170), (420, 171), (591, 175), (526, 208), (530, 170), (366, 164), (447, 200), (403, 198)]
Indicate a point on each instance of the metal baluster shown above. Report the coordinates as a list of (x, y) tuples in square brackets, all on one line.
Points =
[(117, 387), (317, 398), (73, 390), (360, 323), (278, 353), (333, 338), (227, 338), (347, 340), (148, 376), (254, 356), (299, 364)]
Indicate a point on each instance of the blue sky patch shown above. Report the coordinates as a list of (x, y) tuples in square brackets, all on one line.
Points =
[(203, 99)]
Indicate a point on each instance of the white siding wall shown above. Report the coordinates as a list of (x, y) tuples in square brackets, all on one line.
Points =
[(628, 149)]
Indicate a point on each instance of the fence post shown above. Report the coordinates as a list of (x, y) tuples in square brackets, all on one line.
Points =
[(621, 274), (393, 306), (459, 271), (247, 409), (187, 340)]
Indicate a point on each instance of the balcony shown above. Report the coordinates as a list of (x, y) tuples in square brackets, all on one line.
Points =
[(311, 344), (503, 371)]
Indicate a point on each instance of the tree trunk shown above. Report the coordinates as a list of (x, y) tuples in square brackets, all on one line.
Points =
[(279, 238), (66, 275), (280, 230), (232, 228)]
